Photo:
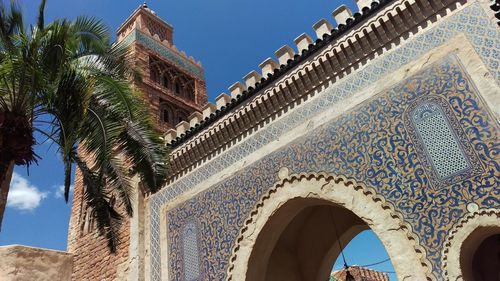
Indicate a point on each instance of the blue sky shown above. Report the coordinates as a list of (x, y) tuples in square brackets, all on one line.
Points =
[(229, 37)]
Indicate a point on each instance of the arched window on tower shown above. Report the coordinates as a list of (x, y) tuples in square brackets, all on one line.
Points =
[(178, 87), (169, 77), (190, 91), (165, 81), (165, 113), (154, 73)]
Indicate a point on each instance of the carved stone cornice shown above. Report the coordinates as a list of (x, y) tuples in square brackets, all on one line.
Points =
[(332, 57)]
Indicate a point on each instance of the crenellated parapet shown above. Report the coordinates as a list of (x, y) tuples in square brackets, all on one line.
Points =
[(172, 82), (294, 74), (145, 26)]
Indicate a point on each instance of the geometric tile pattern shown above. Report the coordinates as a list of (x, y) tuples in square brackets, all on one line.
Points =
[(436, 135), (191, 253), (440, 142), (409, 193), (166, 53), (371, 145)]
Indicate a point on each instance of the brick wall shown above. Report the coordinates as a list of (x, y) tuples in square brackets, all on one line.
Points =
[(153, 92), (92, 259)]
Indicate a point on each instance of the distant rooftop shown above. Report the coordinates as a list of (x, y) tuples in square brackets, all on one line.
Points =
[(360, 274)]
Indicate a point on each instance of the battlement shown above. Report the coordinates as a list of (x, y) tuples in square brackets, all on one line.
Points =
[(292, 75), (146, 19), (144, 24)]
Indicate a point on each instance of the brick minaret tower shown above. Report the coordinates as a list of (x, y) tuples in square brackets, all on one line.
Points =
[(173, 85)]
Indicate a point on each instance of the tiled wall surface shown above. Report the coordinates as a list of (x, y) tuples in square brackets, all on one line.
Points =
[(379, 144), (165, 52)]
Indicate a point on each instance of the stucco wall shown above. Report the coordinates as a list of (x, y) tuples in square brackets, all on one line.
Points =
[(25, 263)]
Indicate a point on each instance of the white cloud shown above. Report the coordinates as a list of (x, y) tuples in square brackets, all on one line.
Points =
[(23, 195), (59, 193)]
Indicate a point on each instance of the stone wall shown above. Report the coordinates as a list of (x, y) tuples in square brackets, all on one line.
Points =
[(21, 263)]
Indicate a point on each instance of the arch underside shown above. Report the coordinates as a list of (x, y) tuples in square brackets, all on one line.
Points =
[(307, 245), (464, 239), (293, 232)]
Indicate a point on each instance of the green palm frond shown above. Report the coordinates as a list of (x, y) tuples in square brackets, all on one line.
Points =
[(11, 23), (119, 180), (67, 76), (107, 218), (92, 35), (67, 104), (41, 15), (147, 152)]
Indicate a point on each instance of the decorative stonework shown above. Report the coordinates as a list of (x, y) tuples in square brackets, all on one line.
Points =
[(442, 145), (324, 186), (164, 52), (191, 252), (158, 29), (332, 60), (458, 234), (402, 178), (371, 146)]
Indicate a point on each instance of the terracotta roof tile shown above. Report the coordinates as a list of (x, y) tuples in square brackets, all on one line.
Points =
[(361, 274)]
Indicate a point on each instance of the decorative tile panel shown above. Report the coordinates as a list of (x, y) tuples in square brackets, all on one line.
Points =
[(165, 52), (430, 122), (191, 253), (440, 143), (371, 144)]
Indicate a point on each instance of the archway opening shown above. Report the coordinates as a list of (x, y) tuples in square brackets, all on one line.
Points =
[(300, 241), (367, 259), (480, 255)]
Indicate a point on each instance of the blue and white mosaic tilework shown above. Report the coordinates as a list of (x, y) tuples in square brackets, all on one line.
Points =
[(191, 254), (440, 142), (225, 222), (446, 160), (372, 145)]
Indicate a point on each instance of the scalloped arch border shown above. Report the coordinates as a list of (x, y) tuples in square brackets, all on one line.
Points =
[(459, 233), (335, 180)]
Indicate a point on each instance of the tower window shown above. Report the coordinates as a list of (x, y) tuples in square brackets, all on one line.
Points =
[(165, 82), (165, 113), (178, 88), (154, 74), (172, 79)]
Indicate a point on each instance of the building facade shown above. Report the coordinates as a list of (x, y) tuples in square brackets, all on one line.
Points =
[(388, 121), (173, 85)]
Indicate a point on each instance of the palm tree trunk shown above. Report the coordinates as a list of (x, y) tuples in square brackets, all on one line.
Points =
[(6, 170)]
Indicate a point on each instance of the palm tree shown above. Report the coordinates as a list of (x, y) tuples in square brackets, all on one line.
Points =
[(66, 81)]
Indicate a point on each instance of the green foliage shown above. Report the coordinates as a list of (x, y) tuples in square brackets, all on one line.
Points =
[(67, 72)]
